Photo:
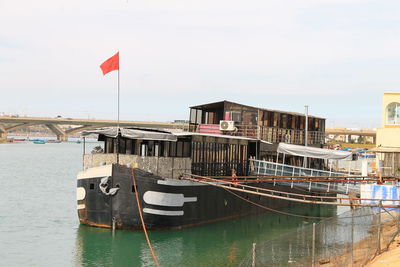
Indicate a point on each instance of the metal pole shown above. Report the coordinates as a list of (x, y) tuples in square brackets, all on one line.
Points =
[(276, 164), (313, 246), (118, 117), (306, 126), (254, 255), (352, 238), (84, 152), (305, 133), (379, 226), (283, 162)]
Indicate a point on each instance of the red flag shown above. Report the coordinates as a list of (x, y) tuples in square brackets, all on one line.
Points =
[(110, 64)]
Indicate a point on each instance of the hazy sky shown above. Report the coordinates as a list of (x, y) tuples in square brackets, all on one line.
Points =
[(337, 56)]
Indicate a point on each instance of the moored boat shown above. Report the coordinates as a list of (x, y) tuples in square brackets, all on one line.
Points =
[(150, 163), (144, 166)]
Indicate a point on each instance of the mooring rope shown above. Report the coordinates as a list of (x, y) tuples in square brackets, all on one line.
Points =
[(274, 210), (287, 195), (141, 218)]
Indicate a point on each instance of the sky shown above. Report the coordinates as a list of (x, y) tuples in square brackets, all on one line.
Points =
[(336, 56)]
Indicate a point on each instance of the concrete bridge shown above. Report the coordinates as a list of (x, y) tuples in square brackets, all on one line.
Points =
[(9, 124), (346, 133)]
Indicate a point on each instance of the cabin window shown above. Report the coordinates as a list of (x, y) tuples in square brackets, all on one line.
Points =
[(122, 145), (186, 149), (193, 113), (150, 148), (235, 116), (284, 121), (199, 116), (129, 146), (143, 150), (109, 145), (172, 149), (157, 150), (302, 122), (179, 149), (276, 119), (393, 113), (167, 145)]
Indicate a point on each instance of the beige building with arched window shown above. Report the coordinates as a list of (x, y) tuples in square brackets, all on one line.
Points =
[(388, 136)]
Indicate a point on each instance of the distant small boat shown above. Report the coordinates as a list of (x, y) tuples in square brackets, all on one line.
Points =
[(54, 141), (19, 139), (39, 142), (78, 141)]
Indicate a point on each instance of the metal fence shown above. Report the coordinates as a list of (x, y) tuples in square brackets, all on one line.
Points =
[(350, 239)]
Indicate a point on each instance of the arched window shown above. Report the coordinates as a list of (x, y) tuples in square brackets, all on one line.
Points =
[(393, 113)]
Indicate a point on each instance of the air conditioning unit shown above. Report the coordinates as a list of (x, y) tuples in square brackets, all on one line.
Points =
[(227, 125)]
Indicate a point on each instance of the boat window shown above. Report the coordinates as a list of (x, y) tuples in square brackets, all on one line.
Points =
[(129, 146), (276, 119), (186, 149), (150, 148), (198, 117), (122, 145), (283, 121), (193, 113), (166, 148), (157, 150), (179, 149), (172, 149), (109, 145), (143, 150)]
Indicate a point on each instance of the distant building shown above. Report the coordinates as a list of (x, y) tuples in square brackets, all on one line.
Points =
[(388, 136)]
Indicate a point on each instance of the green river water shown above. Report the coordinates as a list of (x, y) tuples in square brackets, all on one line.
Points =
[(39, 224)]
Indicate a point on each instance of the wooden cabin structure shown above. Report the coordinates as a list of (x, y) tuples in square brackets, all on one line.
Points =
[(269, 125)]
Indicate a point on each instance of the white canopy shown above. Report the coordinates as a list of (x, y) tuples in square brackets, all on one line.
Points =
[(313, 152), (134, 133)]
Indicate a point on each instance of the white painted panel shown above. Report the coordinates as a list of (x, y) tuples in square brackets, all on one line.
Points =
[(81, 206), (174, 182), (80, 193), (94, 172), (166, 199), (164, 212)]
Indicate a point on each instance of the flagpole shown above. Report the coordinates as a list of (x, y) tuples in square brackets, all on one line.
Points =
[(118, 118)]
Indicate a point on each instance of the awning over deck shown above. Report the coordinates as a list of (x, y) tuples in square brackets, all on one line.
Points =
[(313, 152), (134, 133)]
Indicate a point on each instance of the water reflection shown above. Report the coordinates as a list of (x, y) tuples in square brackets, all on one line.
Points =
[(218, 244)]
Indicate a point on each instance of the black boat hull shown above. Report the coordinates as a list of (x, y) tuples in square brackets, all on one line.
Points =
[(165, 203)]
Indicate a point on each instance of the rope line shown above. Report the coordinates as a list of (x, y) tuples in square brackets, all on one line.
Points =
[(298, 215), (313, 199), (141, 218), (274, 210)]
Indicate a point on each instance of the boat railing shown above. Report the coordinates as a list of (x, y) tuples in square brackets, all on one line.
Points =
[(267, 133), (268, 168)]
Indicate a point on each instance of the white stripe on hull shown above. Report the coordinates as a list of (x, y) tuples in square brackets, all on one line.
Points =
[(164, 212), (166, 199)]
